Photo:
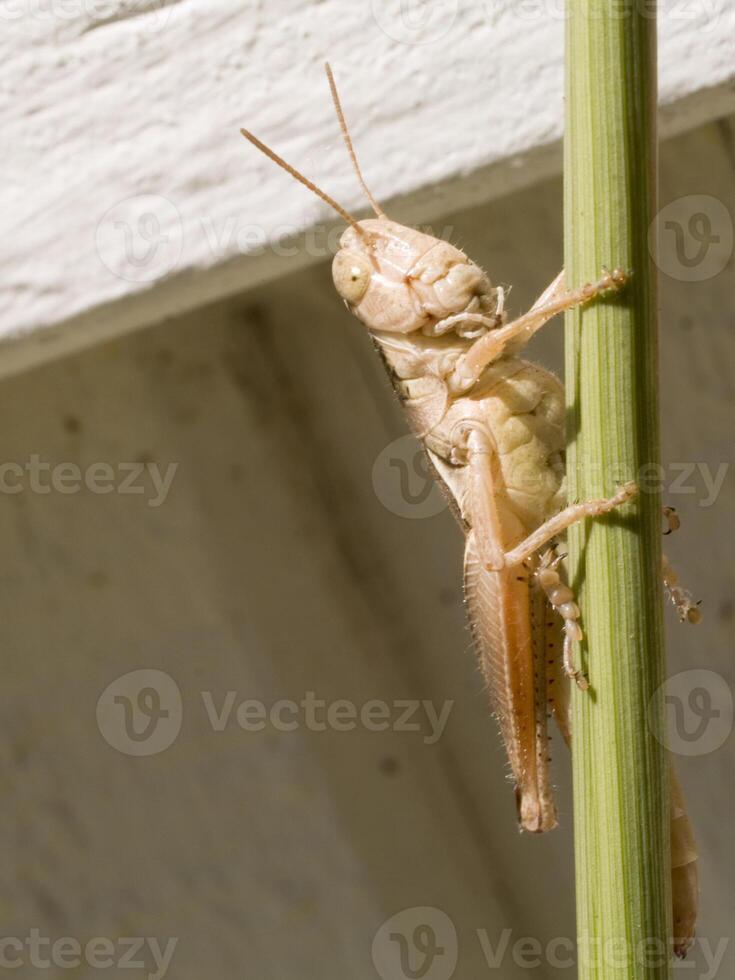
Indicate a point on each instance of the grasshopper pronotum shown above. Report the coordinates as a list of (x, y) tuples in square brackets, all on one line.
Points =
[(492, 426)]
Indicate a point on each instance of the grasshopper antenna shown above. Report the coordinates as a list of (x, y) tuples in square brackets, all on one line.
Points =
[(348, 143), (272, 155)]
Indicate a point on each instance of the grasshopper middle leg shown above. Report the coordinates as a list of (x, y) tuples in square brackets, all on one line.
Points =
[(486, 522), (565, 518)]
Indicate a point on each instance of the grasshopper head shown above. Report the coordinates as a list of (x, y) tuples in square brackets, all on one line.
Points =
[(392, 277), (397, 279)]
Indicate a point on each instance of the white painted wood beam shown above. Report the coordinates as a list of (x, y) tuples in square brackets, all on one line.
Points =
[(128, 195)]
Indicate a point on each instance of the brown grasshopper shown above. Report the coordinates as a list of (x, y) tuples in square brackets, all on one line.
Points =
[(492, 426)]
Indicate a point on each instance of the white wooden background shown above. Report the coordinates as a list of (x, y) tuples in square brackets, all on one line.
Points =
[(124, 167), (272, 568)]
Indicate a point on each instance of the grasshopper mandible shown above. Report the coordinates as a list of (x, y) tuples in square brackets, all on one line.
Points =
[(492, 426)]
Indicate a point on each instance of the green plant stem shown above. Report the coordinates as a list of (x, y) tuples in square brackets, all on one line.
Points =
[(620, 770)]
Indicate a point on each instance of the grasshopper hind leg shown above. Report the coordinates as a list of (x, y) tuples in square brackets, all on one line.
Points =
[(506, 617)]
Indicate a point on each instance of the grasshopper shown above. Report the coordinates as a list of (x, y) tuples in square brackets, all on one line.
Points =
[(492, 426)]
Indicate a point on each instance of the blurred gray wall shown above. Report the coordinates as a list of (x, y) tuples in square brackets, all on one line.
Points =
[(284, 558)]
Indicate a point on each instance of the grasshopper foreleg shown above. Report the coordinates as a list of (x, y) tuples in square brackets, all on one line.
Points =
[(482, 320), (554, 300)]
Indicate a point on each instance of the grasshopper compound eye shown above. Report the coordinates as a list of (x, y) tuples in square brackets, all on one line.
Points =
[(351, 274)]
